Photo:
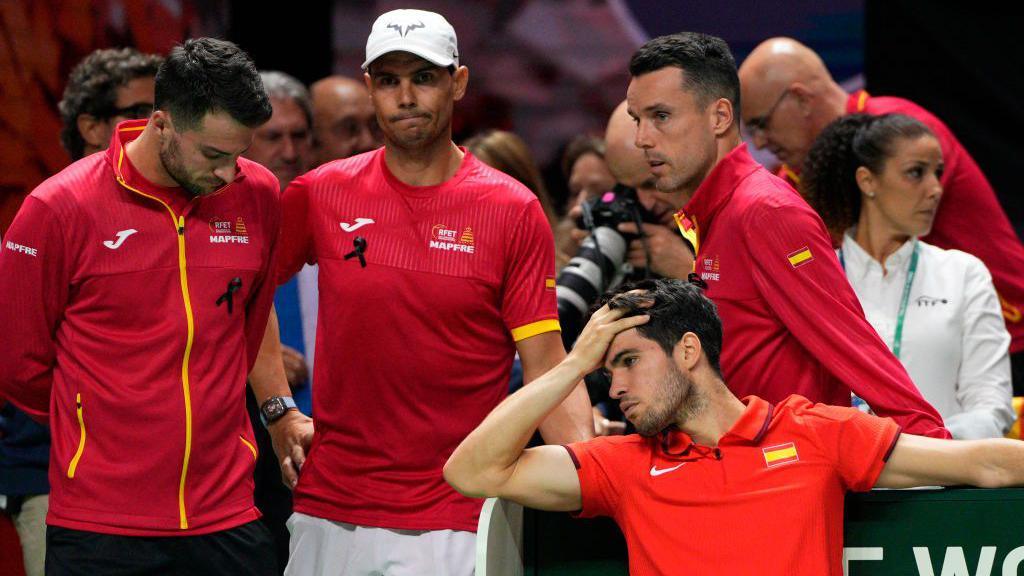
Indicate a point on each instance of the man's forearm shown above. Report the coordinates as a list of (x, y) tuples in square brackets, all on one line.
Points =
[(267, 377), (486, 458), (999, 461), (571, 421)]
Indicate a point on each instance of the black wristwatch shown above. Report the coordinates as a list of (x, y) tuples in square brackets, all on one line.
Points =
[(274, 408)]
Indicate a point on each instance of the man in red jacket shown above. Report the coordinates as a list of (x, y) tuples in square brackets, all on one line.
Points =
[(788, 99), (137, 285), (792, 323)]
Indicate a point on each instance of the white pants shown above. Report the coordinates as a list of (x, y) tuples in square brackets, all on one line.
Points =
[(321, 547)]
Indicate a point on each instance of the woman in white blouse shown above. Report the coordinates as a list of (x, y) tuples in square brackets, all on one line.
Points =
[(875, 182)]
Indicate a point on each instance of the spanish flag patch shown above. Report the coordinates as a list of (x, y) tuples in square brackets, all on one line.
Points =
[(780, 454), (800, 257)]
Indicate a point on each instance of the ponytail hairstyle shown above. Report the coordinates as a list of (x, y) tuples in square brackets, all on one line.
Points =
[(829, 179)]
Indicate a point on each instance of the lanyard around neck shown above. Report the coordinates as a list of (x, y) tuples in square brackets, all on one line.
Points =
[(897, 338)]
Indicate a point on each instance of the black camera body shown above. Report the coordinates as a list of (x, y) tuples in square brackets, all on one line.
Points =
[(599, 265), (617, 206)]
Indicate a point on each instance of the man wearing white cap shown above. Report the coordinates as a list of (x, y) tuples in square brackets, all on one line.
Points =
[(434, 270)]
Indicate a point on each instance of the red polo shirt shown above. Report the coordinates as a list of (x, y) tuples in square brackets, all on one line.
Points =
[(414, 349), (767, 500), (791, 323), (969, 217)]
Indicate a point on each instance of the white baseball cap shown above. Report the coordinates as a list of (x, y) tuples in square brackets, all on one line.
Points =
[(425, 34)]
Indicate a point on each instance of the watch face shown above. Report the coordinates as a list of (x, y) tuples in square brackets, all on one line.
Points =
[(273, 409)]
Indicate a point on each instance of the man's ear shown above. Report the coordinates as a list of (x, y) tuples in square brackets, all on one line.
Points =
[(687, 352), (94, 131), (722, 118), (161, 120), (461, 79)]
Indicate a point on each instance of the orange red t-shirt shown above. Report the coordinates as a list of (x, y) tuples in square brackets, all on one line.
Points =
[(767, 500)]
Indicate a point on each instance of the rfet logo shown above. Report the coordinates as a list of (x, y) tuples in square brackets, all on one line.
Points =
[(710, 268), (450, 239), (226, 231)]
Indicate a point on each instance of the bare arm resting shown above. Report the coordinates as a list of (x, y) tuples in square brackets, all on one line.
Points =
[(922, 461)]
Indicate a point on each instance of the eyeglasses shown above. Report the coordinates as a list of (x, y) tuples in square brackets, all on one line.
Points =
[(757, 125), (136, 111)]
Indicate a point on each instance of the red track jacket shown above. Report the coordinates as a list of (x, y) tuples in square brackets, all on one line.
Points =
[(791, 322), (110, 287)]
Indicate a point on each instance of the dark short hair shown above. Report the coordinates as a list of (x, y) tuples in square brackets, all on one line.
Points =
[(92, 89), (675, 307), (709, 70), (205, 75), (829, 179)]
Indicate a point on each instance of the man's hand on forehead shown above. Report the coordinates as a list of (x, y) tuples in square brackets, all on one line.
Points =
[(604, 325)]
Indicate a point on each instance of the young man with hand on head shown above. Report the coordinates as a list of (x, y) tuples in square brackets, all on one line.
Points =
[(705, 458)]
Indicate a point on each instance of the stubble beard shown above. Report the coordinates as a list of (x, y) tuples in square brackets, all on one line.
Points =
[(170, 157), (681, 401)]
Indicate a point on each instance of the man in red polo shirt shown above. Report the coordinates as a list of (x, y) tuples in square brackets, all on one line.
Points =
[(788, 99), (434, 271), (792, 323), (713, 484)]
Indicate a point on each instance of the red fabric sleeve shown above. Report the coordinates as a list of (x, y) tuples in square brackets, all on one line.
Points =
[(34, 287), (596, 468), (295, 243), (815, 302), (262, 297), (529, 290), (858, 444)]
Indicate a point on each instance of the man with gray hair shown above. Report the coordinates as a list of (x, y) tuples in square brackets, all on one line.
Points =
[(284, 144)]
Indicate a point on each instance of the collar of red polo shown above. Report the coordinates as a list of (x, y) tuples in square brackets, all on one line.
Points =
[(750, 428), (717, 188)]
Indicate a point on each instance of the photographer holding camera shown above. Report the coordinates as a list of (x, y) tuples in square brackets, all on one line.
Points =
[(625, 233)]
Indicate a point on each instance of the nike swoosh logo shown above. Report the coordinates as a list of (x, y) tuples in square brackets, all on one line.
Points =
[(656, 472), (360, 222), (121, 237)]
